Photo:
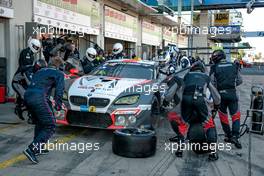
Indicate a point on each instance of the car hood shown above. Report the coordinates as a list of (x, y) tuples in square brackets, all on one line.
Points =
[(99, 86)]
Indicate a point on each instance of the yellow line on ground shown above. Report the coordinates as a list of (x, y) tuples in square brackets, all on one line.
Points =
[(9, 127), (21, 157), (12, 161)]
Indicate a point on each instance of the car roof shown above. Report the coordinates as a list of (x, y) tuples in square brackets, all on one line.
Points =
[(145, 62)]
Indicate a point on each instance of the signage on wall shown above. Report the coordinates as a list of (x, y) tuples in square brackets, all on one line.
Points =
[(6, 12), (151, 34), (221, 19), (169, 36), (119, 25), (75, 15), (6, 3)]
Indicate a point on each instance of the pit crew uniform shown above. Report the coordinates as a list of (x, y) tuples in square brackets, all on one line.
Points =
[(226, 77), (194, 100), (87, 65), (37, 101), (19, 82)]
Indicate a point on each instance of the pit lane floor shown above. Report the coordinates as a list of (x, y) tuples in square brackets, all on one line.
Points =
[(15, 135)]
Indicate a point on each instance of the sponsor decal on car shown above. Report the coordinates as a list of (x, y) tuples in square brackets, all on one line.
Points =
[(84, 108), (92, 109), (98, 85)]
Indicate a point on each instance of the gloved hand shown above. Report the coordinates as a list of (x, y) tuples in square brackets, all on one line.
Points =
[(216, 107), (57, 107), (214, 111), (60, 113), (60, 107)]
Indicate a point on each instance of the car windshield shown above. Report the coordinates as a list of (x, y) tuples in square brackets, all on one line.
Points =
[(125, 70)]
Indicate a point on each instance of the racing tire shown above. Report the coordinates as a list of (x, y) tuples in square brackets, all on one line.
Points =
[(197, 136), (155, 106), (134, 143), (155, 111)]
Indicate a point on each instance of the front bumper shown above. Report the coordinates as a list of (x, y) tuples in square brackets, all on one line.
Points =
[(106, 120)]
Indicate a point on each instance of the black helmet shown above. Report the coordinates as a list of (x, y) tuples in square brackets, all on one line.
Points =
[(217, 56), (198, 65), (39, 64)]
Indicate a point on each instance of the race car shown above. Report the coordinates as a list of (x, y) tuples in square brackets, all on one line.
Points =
[(118, 94)]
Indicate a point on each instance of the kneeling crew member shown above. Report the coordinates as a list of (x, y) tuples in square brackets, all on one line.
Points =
[(194, 101)]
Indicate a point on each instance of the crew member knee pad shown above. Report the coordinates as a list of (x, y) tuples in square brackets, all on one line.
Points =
[(236, 124), (178, 125), (223, 118)]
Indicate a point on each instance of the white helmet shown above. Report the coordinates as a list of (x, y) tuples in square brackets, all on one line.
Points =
[(91, 54), (118, 48), (174, 50), (185, 62), (34, 45)]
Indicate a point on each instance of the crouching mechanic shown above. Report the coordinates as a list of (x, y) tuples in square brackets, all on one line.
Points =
[(196, 83), (226, 77), (37, 101)]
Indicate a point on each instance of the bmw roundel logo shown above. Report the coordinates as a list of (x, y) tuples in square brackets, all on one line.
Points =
[(89, 95)]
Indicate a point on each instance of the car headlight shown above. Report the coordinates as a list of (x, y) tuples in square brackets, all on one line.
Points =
[(127, 100), (65, 96), (132, 119), (120, 121)]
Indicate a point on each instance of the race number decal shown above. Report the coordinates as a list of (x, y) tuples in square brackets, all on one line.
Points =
[(92, 109)]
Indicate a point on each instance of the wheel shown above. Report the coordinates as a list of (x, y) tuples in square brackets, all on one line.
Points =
[(134, 143), (197, 138), (155, 106), (155, 111)]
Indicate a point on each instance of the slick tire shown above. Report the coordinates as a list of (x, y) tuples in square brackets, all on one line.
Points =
[(134, 143), (197, 138)]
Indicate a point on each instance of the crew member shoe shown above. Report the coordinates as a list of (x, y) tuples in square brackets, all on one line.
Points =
[(213, 157), (179, 153), (19, 113), (228, 139), (42, 152), (236, 142), (176, 139), (31, 156)]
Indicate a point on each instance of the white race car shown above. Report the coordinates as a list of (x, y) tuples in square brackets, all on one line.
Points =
[(118, 94)]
